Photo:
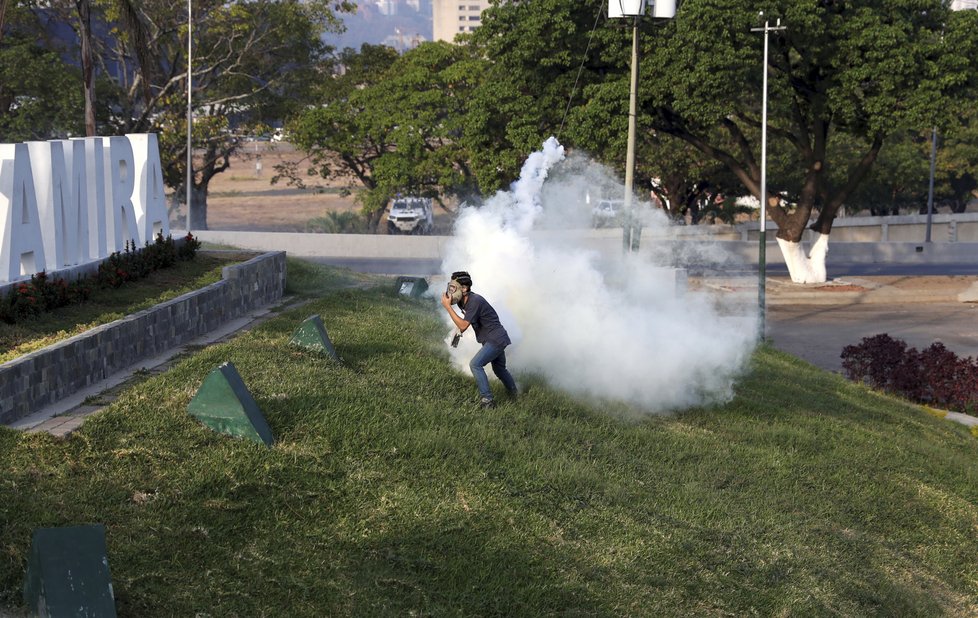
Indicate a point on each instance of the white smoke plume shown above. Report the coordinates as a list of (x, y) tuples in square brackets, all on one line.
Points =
[(589, 323)]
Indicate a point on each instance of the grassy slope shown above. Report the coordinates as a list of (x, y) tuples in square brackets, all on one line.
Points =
[(389, 493)]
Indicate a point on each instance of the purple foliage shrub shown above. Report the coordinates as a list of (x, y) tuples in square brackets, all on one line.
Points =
[(935, 376)]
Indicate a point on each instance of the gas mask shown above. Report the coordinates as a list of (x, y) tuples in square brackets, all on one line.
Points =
[(454, 291)]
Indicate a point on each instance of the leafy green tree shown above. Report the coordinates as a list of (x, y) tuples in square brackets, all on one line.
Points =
[(529, 68), (389, 123), (39, 97), (341, 137), (863, 70), (899, 177), (254, 62), (957, 160)]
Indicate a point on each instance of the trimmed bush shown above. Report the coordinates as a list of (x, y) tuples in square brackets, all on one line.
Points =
[(935, 376), (30, 299)]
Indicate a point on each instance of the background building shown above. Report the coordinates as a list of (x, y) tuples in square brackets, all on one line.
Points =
[(450, 17)]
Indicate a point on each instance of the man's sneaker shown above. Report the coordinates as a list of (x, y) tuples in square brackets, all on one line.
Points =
[(487, 403)]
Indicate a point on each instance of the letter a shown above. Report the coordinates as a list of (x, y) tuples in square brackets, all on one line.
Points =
[(21, 244)]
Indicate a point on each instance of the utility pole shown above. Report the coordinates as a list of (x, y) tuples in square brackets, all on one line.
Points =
[(634, 9), (190, 110), (762, 248)]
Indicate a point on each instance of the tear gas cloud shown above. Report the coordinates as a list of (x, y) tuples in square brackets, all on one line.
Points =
[(591, 323)]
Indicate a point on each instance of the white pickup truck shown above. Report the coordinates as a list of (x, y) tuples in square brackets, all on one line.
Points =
[(410, 215)]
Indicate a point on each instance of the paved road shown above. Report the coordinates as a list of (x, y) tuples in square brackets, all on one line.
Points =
[(818, 333), (423, 267)]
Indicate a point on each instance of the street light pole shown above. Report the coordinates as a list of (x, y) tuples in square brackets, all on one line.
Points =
[(190, 110), (629, 228), (762, 248), (635, 9)]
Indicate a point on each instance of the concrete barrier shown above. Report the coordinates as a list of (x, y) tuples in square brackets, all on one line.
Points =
[(690, 240), (303, 244), (945, 228), (32, 381)]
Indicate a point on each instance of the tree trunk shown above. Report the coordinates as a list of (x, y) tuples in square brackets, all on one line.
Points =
[(84, 8), (198, 214), (805, 268), (3, 16), (373, 219)]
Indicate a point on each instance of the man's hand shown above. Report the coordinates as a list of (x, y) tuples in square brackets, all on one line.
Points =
[(446, 301)]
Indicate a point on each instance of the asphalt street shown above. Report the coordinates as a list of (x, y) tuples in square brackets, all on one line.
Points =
[(818, 333)]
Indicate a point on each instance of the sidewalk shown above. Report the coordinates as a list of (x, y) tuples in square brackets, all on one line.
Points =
[(880, 289), (780, 290)]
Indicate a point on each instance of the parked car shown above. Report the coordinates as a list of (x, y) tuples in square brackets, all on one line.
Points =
[(410, 215), (607, 213)]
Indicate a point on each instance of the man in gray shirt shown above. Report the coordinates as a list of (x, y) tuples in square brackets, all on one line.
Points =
[(489, 331)]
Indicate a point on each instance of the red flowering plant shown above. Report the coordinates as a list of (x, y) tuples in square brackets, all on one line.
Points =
[(21, 303), (29, 299), (188, 249)]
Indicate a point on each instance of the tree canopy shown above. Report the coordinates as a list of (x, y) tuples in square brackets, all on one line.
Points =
[(863, 72), (392, 123), (254, 62), (39, 97)]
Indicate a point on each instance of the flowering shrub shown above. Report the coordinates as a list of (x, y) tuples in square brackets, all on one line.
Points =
[(41, 294), (935, 376)]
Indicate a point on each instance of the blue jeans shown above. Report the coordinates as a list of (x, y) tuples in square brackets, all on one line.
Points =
[(496, 355)]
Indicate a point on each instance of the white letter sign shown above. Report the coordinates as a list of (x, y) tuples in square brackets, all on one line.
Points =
[(70, 202)]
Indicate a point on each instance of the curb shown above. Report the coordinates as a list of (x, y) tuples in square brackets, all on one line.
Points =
[(854, 291)]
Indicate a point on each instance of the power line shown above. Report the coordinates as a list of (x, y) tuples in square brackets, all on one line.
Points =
[(581, 68)]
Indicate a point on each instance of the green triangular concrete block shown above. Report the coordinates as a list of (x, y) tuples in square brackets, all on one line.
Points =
[(68, 573), (311, 335), (411, 286), (224, 404)]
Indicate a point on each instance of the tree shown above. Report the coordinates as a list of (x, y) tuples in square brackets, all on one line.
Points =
[(4, 6), (38, 94), (392, 124), (339, 137), (865, 71), (528, 65), (136, 33), (957, 160), (898, 179), (254, 62)]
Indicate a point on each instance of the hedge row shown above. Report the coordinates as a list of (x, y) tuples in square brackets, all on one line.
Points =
[(30, 299), (935, 376)]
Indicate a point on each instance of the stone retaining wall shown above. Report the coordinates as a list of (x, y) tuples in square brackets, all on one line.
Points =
[(46, 376)]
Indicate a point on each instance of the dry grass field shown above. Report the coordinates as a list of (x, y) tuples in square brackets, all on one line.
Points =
[(243, 197)]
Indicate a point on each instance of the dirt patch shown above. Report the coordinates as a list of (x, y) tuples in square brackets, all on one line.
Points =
[(243, 198)]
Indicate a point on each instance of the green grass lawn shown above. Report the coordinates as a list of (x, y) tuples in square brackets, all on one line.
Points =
[(390, 493)]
